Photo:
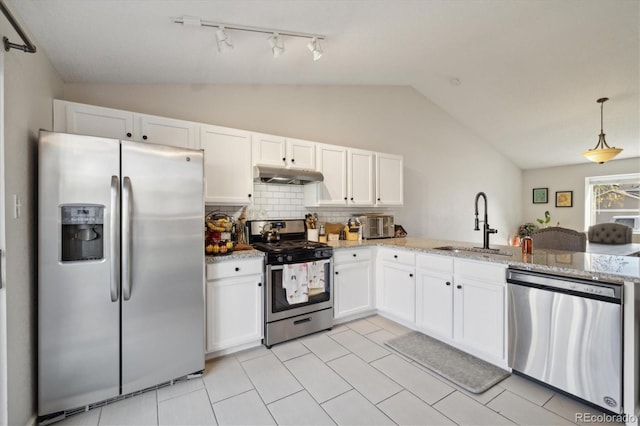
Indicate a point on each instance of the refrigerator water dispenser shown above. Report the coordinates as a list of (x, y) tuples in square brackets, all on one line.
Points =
[(82, 233)]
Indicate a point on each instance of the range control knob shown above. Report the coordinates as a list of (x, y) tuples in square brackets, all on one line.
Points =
[(289, 258), (280, 259)]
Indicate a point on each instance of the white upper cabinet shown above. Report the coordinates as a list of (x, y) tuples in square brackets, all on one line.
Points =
[(277, 151), (227, 165), (332, 191), (348, 177), (92, 120), (389, 183), (166, 131), (360, 177)]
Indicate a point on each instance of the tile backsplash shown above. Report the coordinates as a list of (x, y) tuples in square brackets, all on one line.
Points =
[(273, 201)]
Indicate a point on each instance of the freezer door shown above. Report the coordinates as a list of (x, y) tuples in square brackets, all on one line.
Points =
[(78, 302), (162, 264)]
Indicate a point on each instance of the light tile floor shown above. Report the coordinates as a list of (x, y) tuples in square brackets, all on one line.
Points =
[(345, 376)]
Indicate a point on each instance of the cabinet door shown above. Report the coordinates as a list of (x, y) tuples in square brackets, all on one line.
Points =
[(301, 154), (268, 150), (234, 311), (479, 316), (434, 303), (166, 131), (353, 289), (360, 178), (398, 296), (332, 163), (97, 121), (227, 165), (389, 183)]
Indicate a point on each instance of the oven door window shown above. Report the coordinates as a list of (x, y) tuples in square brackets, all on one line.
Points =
[(300, 284)]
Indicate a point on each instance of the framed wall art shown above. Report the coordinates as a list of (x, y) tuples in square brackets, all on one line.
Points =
[(564, 199), (540, 195)]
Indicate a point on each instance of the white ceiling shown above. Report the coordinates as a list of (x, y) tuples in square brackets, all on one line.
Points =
[(530, 70)]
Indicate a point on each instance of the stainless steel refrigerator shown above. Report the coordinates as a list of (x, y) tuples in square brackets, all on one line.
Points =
[(120, 268)]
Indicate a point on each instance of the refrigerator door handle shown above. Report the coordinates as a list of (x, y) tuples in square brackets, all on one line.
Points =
[(114, 250), (126, 238)]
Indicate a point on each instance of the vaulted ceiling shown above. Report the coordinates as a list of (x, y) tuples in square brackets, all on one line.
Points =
[(524, 75)]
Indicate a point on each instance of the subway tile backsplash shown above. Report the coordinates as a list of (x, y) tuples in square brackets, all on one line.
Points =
[(273, 201)]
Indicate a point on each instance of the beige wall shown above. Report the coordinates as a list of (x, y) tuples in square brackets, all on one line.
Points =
[(445, 164), (567, 178), (30, 83)]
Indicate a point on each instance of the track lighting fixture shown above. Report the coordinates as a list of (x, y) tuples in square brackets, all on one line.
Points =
[(277, 45), (315, 48), (276, 40), (224, 40)]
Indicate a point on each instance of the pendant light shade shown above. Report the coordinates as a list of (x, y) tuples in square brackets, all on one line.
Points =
[(602, 151)]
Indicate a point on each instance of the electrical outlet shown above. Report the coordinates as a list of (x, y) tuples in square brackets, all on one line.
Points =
[(17, 206)]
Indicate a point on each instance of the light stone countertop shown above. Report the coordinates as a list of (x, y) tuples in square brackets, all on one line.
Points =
[(576, 264)]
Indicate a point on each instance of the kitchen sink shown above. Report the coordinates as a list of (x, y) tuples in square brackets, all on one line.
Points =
[(474, 250)]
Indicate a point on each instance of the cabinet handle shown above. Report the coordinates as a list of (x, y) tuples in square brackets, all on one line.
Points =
[(395, 256), (284, 159), (237, 269), (345, 198), (458, 286), (145, 137), (336, 272), (259, 284), (351, 198), (249, 195), (378, 199), (293, 160), (128, 134), (448, 283), (354, 255), (411, 275)]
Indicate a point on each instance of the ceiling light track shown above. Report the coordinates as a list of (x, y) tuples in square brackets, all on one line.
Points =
[(275, 40)]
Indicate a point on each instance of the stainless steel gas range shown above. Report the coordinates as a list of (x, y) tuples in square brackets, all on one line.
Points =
[(298, 298)]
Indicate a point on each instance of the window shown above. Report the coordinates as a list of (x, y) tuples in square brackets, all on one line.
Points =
[(613, 198)]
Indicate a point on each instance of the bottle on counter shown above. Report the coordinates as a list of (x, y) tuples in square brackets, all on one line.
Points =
[(527, 245), (322, 237)]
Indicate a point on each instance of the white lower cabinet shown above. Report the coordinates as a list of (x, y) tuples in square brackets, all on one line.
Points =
[(234, 303), (462, 302), (395, 285), (434, 295), (352, 283), (479, 303)]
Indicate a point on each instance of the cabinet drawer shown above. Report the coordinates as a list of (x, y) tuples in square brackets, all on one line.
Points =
[(405, 257), (430, 262), (480, 271), (233, 268), (351, 255)]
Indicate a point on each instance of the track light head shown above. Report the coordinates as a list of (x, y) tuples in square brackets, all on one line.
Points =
[(315, 48), (224, 40), (277, 44)]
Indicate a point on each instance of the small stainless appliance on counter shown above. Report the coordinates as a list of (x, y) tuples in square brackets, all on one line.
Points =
[(376, 225), (298, 298), (567, 333), (120, 277)]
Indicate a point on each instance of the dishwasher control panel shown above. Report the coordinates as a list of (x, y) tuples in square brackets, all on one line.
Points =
[(561, 283)]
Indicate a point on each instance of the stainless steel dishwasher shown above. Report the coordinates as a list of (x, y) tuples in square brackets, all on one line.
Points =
[(567, 333)]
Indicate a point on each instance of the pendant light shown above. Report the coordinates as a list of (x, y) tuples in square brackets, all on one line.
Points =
[(602, 151)]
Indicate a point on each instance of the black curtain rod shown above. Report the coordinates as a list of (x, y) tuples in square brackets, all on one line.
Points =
[(27, 47)]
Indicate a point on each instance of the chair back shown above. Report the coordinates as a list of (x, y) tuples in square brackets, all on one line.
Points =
[(557, 238), (610, 233)]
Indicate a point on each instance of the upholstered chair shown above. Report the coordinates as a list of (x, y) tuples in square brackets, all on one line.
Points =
[(557, 238), (610, 233)]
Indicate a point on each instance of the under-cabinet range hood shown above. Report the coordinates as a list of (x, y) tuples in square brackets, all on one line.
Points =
[(279, 175)]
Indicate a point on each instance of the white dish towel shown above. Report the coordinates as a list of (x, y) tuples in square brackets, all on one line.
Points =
[(315, 272), (295, 282)]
